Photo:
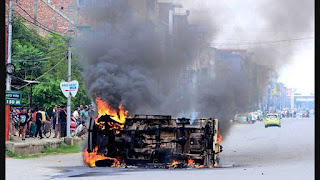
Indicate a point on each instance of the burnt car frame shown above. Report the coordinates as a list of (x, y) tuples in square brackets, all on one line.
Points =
[(155, 140)]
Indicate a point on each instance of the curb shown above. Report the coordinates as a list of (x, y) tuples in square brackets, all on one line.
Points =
[(30, 148)]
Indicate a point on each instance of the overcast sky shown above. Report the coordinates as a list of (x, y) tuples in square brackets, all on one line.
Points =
[(240, 22)]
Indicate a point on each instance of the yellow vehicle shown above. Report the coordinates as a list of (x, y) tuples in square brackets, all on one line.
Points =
[(272, 120)]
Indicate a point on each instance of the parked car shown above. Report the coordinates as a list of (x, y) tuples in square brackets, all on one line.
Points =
[(241, 118), (272, 120)]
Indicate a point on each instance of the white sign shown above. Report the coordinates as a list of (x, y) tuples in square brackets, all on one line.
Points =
[(305, 99), (69, 87)]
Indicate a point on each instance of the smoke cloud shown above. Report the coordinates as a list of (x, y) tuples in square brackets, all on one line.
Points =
[(129, 60)]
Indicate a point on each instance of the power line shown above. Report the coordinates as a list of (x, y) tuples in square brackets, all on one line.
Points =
[(43, 73), (40, 60), (56, 47), (41, 26), (266, 42), (34, 18)]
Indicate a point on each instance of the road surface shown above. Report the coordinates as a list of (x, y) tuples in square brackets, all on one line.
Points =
[(250, 151)]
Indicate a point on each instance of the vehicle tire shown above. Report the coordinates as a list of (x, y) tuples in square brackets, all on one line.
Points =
[(72, 133), (266, 126), (279, 126), (46, 131)]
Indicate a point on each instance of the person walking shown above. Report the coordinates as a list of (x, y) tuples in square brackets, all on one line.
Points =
[(23, 119), (63, 120), (38, 123)]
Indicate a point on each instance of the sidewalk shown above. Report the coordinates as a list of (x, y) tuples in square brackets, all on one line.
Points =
[(35, 146)]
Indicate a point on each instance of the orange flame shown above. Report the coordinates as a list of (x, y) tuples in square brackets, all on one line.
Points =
[(93, 157), (103, 109), (199, 166), (190, 162), (174, 164), (219, 139)]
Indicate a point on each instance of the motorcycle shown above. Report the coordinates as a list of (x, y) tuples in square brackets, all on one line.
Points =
[(307, 115), (73, 126)]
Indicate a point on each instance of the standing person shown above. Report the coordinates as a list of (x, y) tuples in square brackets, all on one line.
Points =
[(12, 118), (16, 117), (33, 124), (38, 123), (55, 109), (84, 116), (56, 122), (23, 119), (91, 112), (63, 120), (29, 122), (76, 116), (250, 118), (81, 109)]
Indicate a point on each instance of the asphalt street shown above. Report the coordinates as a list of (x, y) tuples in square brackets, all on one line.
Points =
[(250, 151)]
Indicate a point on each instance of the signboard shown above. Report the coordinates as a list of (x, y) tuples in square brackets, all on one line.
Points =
[(289, 91), (69, 87), (304, 99), (13, 98)]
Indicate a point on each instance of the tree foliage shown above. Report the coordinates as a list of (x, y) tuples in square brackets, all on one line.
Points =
[(44, 59)]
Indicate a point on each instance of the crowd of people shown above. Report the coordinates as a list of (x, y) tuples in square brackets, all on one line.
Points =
[(29, 121)]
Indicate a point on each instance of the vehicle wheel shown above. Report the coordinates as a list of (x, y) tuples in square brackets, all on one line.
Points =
[(46, 131), (279, 126), (72, 133), (266, 126)]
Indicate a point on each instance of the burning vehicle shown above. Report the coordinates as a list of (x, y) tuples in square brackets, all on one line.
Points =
[(151, 140)]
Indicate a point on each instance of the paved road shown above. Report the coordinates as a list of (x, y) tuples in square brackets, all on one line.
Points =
[(254, 151)]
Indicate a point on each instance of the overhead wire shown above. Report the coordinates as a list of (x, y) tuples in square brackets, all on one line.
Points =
[(42, 74), (40, 60), (39, 24), (33, 38), (266, 42)]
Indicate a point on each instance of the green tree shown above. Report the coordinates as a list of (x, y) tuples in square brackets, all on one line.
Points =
[(44, 59)]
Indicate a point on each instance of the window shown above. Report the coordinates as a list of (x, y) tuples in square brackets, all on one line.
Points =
[(272, 116), (84, 29)]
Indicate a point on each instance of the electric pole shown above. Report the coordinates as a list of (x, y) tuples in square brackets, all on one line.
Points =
[(8, 82), (69, 74)]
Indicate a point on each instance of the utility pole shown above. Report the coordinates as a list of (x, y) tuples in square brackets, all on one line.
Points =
[(8, 80), (69, 74)]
